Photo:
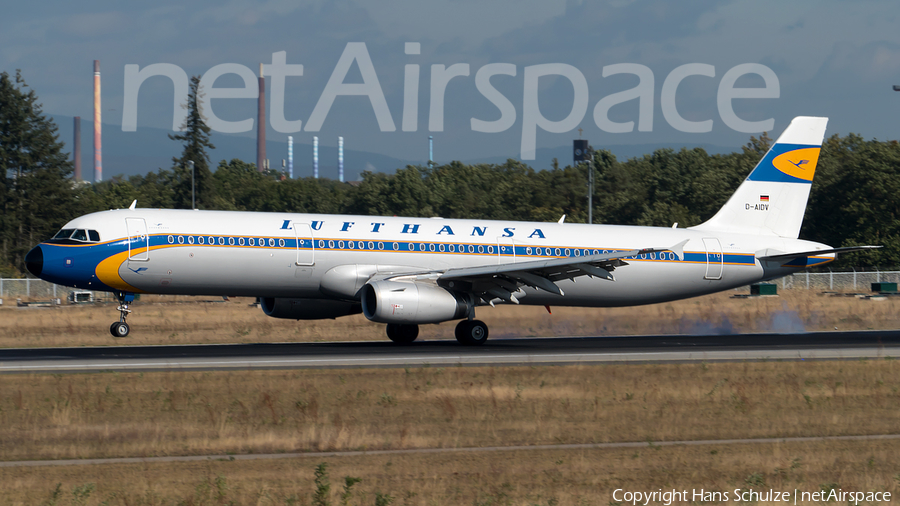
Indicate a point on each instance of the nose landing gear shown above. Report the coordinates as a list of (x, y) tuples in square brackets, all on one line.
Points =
[(121, 328)]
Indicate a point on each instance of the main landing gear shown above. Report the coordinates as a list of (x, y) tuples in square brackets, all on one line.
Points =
[(121, 328), (471, 332), (468, 332), (402, 334)]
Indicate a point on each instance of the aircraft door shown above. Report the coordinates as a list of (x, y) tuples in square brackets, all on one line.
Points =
[(715, 260), (138, 240), (306, 248), (506, 250)]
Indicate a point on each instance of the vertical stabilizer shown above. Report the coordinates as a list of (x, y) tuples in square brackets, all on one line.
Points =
[(772, 200)]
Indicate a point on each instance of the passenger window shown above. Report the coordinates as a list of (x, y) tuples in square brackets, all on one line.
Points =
[(95, 237), (79, 235)]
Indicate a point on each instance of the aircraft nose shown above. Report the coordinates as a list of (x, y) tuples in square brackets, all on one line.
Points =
[(34, 261)]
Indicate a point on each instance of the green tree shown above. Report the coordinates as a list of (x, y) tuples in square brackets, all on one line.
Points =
[(462, 191), (370, 195), (36, 192), (513, 188), (196, 141), (240, 187), (408, 193), (620, 191)]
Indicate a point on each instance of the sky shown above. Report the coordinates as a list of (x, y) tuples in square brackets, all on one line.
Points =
[(820, 58)]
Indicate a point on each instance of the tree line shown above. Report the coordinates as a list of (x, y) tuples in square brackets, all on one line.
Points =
[(853, 199)]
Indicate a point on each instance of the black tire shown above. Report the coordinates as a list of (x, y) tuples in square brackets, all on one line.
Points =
[(471, 333), (119, 329), (402, 334)]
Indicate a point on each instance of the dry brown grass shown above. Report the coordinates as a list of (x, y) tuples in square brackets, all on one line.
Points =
[(563, 478), (185, 413), (158, 320)]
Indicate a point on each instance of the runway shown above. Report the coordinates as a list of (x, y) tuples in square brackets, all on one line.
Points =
[(528, 351)]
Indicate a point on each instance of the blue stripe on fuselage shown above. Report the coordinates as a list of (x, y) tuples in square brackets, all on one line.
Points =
[(75, 265)]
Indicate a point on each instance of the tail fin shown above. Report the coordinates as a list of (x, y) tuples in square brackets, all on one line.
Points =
[(772, 200)]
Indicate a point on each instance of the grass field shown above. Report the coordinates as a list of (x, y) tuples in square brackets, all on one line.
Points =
[(188, 413), (168, 320), (546, 478), (44, 416)]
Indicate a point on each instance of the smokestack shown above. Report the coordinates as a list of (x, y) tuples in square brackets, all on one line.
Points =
[(430, 151), (341, 159), (315, 156), (261, 122), (290, 156), (76, 154), (98, 144)]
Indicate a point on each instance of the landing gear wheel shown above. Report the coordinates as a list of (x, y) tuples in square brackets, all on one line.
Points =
[(402, 334), (471, 333), (119, 329)]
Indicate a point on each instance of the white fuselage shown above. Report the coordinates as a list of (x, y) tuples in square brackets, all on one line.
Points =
[(302, 255)]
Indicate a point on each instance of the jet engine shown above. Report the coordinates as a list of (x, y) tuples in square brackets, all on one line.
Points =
[(307, 309), (411, 303)]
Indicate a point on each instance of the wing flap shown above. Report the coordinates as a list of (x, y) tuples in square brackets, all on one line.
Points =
[(535, 281), (596, 271)]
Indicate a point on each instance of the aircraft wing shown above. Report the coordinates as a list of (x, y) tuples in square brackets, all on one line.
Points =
[(489, 282)]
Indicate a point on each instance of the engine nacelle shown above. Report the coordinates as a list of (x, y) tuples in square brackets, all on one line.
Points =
[(408, 302), (307, 309)]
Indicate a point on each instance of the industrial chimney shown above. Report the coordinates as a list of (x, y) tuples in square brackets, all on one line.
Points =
[(341, 159), (315, 157), (261, 123), (76, 153), (98, 128), (290, 165)]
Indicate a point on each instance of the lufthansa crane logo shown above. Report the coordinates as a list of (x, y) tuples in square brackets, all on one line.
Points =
[(798, 163)]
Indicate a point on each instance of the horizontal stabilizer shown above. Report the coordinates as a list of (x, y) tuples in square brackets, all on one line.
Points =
[(784, 256)]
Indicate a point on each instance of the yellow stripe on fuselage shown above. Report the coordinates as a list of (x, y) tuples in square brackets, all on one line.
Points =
[(107, 272)]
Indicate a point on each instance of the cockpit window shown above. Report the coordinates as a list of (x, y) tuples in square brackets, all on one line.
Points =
[(75, 236), (64, 233)]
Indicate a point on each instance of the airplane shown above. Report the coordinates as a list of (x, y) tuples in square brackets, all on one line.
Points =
[(409, 271)]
